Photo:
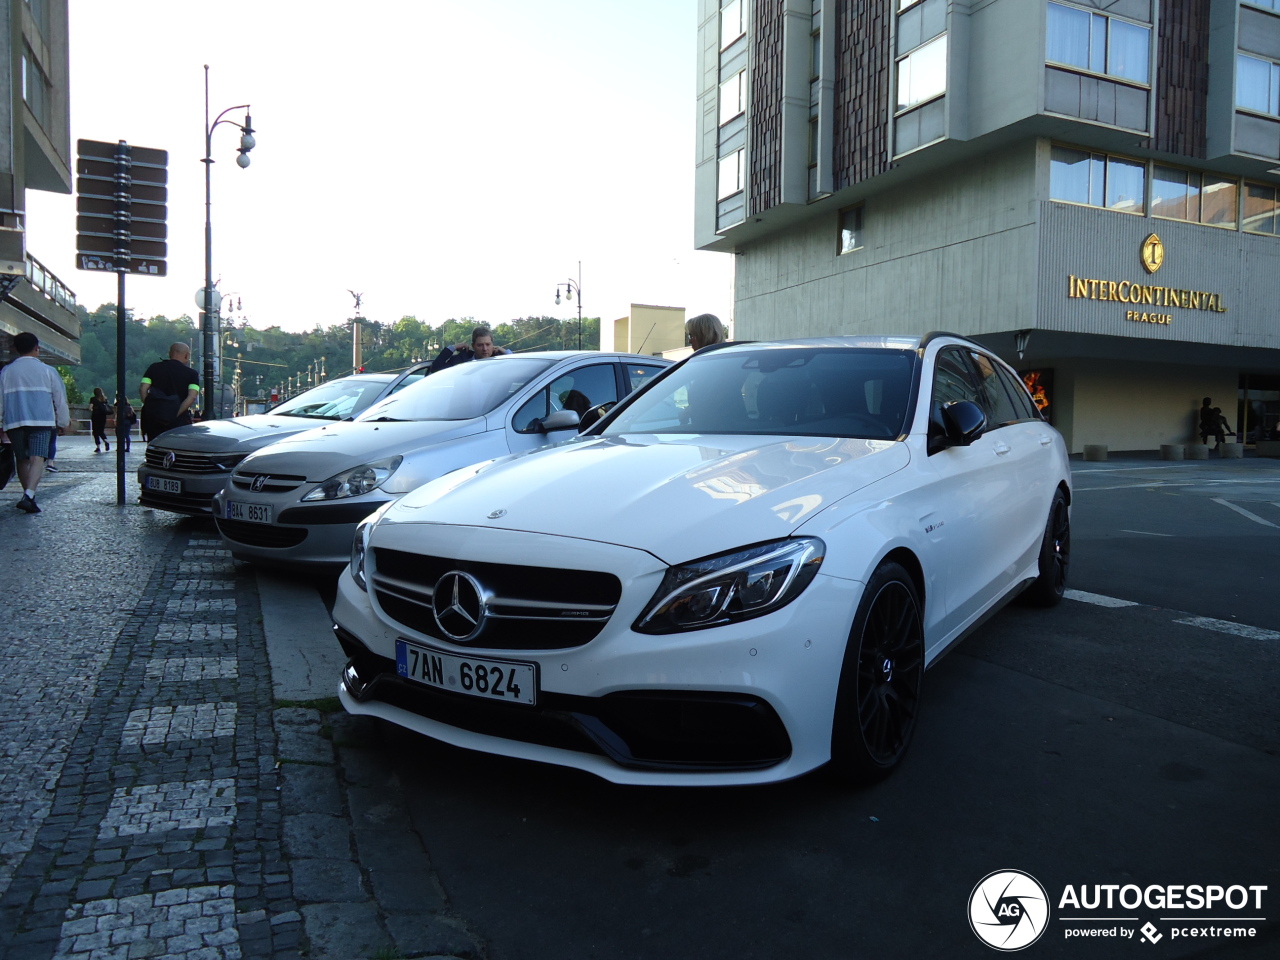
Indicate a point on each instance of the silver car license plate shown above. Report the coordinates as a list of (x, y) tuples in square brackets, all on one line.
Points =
[(252, 512)]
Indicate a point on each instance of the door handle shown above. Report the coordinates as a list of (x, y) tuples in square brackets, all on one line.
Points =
[(1001, 448), (1045, 441)]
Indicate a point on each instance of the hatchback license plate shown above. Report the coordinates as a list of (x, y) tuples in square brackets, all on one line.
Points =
[(164, 484), (510, 680), (252, 512)]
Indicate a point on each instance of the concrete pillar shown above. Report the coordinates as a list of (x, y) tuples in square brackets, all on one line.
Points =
[(1197, 451), (1232, 451)]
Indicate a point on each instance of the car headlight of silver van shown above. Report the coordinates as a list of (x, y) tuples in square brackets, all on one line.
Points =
[(732, 586), (357, 481)]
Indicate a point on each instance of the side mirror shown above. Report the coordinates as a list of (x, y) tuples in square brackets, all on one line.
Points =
[(560, 420), (595, 414), (964, 422)]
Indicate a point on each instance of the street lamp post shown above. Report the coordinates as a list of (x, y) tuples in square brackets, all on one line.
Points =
[(208, 324), (570, 288)]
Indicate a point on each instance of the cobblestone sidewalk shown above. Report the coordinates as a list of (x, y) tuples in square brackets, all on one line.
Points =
[(140, 789)]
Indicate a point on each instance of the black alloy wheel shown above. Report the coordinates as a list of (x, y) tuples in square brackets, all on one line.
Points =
[(879, 697), (1055, 556)]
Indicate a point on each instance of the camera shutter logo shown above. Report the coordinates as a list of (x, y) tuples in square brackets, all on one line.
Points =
[(1008, 910), (459, 606)]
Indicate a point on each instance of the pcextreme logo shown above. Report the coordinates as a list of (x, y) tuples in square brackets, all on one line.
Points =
[(1009, 910)]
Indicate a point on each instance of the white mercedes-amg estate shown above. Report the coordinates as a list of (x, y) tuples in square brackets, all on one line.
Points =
[(739, 575)]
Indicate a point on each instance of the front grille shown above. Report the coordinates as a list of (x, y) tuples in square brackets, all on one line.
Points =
[(193, 503), (678, 730), (192, 462), (260, 534), (271, 483), (529, 608)]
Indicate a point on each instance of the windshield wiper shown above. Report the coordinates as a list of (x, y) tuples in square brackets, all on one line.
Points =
[(387, 420)]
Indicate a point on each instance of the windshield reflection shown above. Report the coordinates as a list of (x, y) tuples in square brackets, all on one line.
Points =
[(463, 392)]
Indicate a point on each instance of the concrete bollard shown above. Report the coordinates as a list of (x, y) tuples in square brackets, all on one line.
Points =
[(1197, 451), (1171, 451), (1095, 451), (1232, 451)]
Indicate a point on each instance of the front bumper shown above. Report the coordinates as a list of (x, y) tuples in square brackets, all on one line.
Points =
[(751, 702), (195, 497), (299, 534)]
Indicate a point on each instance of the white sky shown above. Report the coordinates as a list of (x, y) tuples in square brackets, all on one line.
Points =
[(444, 159)]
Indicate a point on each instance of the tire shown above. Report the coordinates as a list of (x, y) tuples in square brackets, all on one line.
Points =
[(879, 695), (1055, 556)]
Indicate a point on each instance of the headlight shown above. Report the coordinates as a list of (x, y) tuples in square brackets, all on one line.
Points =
[(358, 547), (357, 481), (732, 586)]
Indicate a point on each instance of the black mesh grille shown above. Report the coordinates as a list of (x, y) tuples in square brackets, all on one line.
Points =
[(260, 534), (532, 608)]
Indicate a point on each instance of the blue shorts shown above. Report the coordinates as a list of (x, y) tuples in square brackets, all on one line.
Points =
[(31, 442)]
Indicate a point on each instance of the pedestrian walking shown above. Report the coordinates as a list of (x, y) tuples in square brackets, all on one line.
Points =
[(1220, 427), (704, 330), (1208, 422), (99, 410), (126, 417), (169, 389), (481, 348), (33, 410)]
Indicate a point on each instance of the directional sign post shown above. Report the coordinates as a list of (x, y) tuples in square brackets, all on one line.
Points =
[(120, 226)]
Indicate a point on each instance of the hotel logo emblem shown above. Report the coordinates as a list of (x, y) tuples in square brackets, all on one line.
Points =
[(1152, 253)]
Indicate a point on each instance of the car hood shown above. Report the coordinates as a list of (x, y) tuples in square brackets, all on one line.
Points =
[(320, 453), (677, 499), (238, 434)]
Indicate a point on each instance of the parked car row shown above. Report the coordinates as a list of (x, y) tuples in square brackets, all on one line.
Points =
[(739, 573)]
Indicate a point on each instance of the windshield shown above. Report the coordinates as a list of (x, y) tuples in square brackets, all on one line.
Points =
[(335, 400), (461, 392), (788, 391)]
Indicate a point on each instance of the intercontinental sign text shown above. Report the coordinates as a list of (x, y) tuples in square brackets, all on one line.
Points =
[(1144, 294)]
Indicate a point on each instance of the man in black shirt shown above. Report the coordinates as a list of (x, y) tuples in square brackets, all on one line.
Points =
[(168, 389), (482, 348)]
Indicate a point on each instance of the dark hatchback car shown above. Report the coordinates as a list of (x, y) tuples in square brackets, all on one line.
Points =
[(185, 467)]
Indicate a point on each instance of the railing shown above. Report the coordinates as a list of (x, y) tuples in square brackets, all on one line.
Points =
[(47, 282)]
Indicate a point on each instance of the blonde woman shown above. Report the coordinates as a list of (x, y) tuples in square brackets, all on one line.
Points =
[(704, 330)]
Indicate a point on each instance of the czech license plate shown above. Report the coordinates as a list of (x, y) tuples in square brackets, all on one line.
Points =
[(252, 512), (164, 484), (509, 680)]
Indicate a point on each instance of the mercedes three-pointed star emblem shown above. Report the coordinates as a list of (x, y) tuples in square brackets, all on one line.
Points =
[(459, 606)]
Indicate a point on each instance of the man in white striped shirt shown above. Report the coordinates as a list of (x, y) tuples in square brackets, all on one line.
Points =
[(33, 405)]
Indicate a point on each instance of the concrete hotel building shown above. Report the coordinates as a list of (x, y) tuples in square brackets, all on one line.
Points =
[(35, 154), (1090, 187)]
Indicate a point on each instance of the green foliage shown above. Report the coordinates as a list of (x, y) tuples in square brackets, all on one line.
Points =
[(73, 392), (267, 358)]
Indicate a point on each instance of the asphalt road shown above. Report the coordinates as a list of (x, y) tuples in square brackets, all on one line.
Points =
[(1088, 744)]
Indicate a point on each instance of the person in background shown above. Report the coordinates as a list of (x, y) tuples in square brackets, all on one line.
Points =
[(482, 348), (99, 409), (704, 330), (33, 409), (126, 417), (1208, 420), (169, 389)]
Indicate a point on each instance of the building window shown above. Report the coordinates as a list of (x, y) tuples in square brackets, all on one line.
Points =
[(1261, 208), (35, 88), (1097, 180), (1178, 194), (732, 99), (732, 174), (731, 23), (922, 74), (851, 229), (1265, 4), (1098, 43), (1257, 85)]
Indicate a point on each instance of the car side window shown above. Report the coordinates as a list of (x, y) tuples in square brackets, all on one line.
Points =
[(951, 381), (1018, 393), (638, 374), (408, 381), (577, 390), (995, 398)]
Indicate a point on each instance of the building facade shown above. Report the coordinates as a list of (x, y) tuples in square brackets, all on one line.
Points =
[(1090, 187), (35, 154)]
